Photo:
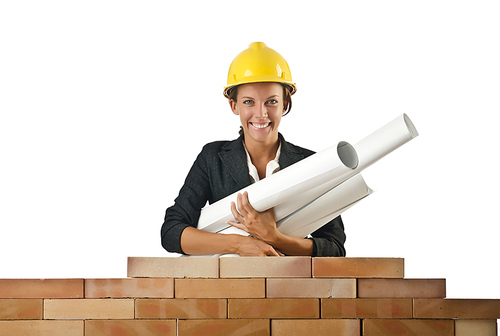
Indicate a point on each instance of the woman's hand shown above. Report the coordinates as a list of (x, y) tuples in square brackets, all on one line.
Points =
[(251, 247), (260, 225)]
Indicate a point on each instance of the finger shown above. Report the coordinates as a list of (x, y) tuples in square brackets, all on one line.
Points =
[(248, 208), (240, 202), (238, 226), (273, 253), (237, 216)]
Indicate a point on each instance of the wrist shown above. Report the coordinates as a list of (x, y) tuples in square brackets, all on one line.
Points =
[(276, 238), (235, 240)]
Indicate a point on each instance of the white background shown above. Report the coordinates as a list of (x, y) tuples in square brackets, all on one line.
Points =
[(105, 105)]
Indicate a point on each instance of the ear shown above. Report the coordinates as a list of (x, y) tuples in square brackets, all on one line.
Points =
[(285, 106), (232, 104)]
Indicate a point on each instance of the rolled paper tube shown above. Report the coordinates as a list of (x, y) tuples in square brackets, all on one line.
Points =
[(333, 165), (384, 140), (319, 211), (324, 170), (307, 219)]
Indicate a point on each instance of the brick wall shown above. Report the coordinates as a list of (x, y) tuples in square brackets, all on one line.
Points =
[(244, 296)]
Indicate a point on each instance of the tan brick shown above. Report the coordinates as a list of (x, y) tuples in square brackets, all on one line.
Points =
[(65, 309), (265, 267), (21, 309), (130, 288), (172, 267), (41, 288), (220, 288), (41, 328), (273, 308), (311, 288), (180, 308), (224, 327), (476, 327), (402, 288), (130, 327), (358, 267), (316, 327), (366, 308), (457, 308), (408, 327)]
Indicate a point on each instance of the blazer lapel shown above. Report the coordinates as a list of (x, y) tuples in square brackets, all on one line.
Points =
[(289, 154), (235, 162)]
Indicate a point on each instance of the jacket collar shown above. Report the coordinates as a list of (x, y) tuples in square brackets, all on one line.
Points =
[(234, 158)]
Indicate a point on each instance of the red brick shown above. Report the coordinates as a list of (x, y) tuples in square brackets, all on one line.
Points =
[(130, 288), (41, 288), (366, 308), (401, 288), (21, 309), (220, 288), (180, 308), (408, 327), (476, 327), (41, 328), (311, 288), (358, 267), (173, 267), (316, 327), (131, 327), (457, 308), (82, 309), (265, 267), (254, 327), (273, 308)]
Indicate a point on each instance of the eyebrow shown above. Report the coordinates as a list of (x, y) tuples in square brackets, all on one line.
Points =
[(248, 97)]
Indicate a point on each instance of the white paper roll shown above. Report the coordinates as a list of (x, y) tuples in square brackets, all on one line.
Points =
[(333, 165), (308, 219), (296, 186), (385, 140)]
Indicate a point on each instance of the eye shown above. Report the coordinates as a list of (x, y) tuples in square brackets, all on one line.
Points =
[(272, 101), (247, 102)]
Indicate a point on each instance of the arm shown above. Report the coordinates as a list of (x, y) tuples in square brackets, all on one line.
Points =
[(197, 242), (328, 241), (179, 233), (263, 226)]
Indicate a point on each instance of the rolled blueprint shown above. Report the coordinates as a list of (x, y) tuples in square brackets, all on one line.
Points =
[(333, 165), (323, 209), (320, 210), (308, 189), (384, 140)]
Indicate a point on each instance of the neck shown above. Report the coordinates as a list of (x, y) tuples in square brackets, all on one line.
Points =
[(262, 151)]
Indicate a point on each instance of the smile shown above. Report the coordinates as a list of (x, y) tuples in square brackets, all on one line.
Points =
[(260, 126)]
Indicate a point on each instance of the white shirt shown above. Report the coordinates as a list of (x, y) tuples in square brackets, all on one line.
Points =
[(272, 166)]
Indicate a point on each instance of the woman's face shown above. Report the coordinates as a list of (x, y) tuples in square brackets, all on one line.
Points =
[(260, 107)]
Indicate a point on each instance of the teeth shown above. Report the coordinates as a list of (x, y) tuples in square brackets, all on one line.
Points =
[(260, 125)]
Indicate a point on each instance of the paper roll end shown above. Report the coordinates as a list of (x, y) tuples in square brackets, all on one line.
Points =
[(347, 154), (411, 128)]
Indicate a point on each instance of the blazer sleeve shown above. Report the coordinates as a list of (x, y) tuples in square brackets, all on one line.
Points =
[(187, 206), (328, 241)]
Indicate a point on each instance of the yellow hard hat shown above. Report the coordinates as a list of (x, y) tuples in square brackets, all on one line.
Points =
[(259, 63)]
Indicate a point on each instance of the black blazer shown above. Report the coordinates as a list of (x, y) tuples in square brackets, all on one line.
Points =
[(220, 170)]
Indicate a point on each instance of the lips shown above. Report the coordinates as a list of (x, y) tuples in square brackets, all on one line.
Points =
[(260, 125)]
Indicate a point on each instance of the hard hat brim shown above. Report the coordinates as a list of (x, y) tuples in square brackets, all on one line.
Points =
[(292, 87)]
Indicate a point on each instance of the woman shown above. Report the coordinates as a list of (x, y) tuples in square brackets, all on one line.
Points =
[(259, 91)]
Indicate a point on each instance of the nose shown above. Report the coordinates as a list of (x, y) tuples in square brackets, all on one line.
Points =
[(261, 111)]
